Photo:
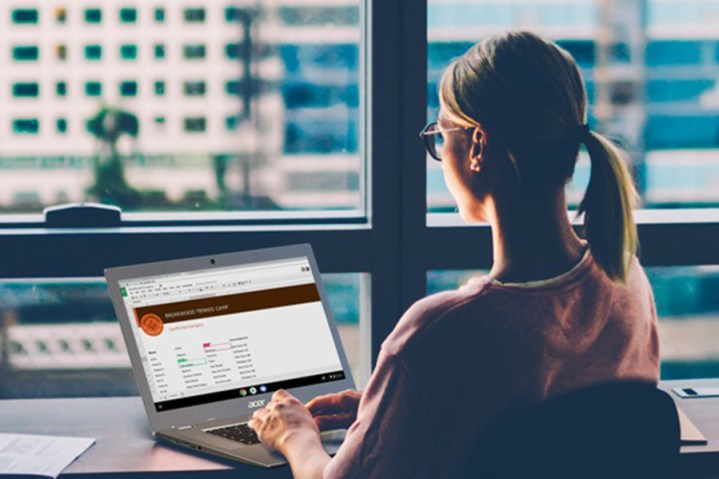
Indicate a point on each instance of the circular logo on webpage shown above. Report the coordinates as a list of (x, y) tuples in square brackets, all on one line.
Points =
[(152, 324)]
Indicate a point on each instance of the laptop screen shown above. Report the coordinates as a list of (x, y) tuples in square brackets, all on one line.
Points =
[(224, 333)]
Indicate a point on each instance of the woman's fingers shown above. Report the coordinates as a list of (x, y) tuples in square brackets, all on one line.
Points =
[(335, 403), (324, 404), (334, 421)]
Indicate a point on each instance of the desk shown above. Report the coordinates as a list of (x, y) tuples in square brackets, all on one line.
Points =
[(699, 461), (124, 444)]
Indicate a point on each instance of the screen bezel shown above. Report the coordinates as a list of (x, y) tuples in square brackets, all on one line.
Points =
[(232, 407)]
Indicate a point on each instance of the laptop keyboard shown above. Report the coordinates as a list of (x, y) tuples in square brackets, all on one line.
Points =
[(237, 432)]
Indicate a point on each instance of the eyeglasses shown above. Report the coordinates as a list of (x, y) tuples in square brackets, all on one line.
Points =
[(434, 141)]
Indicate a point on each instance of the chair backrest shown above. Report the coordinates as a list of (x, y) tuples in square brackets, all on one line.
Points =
[(613, 430)]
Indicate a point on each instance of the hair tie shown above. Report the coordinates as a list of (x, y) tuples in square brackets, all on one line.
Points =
[(582, 133)]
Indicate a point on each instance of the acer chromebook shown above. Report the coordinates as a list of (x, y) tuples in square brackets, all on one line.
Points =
[(211, 338)]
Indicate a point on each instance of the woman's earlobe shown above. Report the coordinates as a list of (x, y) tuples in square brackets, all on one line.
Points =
[(475, 162)]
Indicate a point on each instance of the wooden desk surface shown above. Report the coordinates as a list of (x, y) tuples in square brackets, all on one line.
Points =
[(124, 444)]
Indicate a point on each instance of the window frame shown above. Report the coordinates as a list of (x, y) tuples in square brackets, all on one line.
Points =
[(392, 239)]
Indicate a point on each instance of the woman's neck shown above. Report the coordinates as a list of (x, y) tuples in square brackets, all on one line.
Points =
[(532, 238)]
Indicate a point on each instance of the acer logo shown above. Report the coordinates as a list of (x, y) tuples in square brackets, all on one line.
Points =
[(256, 404)]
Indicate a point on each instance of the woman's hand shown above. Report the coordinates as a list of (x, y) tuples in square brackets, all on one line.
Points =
[(335, 411), (284, 420)]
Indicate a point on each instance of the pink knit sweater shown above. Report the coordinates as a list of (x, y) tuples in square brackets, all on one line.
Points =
[(458, 360)]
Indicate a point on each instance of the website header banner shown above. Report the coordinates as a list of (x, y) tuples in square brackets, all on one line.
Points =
[(229, 304)]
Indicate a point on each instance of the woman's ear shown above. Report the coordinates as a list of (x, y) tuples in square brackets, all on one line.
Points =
[(479, 148)]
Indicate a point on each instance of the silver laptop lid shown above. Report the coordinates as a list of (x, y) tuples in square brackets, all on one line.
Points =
[(213, 337)]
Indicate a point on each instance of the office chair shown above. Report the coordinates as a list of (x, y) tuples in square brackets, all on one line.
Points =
[(613, 430)]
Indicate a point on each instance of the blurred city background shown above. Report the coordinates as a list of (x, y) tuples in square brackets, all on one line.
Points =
[(192, 108)]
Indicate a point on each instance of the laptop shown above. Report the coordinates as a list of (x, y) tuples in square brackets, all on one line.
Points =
[(211, 338)]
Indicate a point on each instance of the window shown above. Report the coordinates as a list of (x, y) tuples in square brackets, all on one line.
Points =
[(61, 15), (26, 90), (26, 126), (677, 120), (319, 15), (25, 16), (232, 87), (232, 14), (159, 50), (232, 50), (252, 173), (279, 122), (61, 125), (93, 52), (195, 124), (232, 122), (194, 15), (93, 88), (128, 52), (128, 88), (194, 88), (61, 52), (25, 53), (674, 52), (61, 88), (194, 52), (128, 15), (93, 15)]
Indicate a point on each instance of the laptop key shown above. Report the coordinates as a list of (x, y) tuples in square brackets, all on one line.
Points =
[(237, 432)]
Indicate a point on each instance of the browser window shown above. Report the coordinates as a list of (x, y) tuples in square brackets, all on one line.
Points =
[(218, 334)]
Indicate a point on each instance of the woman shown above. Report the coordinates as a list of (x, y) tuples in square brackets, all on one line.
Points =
[(555, 312)]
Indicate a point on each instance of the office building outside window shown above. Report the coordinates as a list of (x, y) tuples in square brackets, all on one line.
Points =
[(236, 39)]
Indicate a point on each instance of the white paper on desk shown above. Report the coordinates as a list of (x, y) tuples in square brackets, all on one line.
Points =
[(47, 456)]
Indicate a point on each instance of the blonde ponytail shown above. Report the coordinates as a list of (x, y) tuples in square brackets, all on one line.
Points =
[(607, 207)]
